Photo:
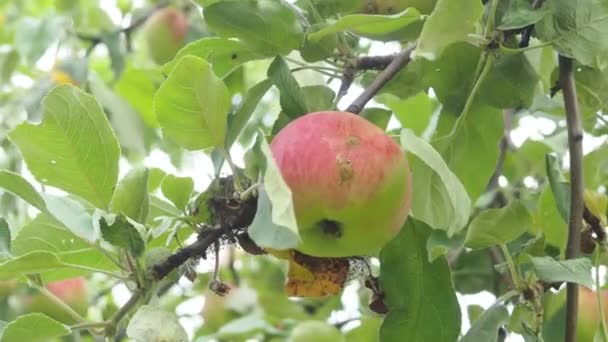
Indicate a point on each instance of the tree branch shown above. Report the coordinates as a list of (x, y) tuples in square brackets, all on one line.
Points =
[(96, 39), (575, 139), (198, 248), (398, 62)]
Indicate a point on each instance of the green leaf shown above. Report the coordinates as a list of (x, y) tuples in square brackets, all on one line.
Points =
[(73, 148), (34, 327), (408, 81), (498, 226), (486, 326), (267, 233), (121, 233), (73, 215), (471, 150), (510, 83), (318, 98), (446, 205), (155, 178), (370, 26), (414, 112), (33, 36), (319, 50), (268, 27), (116, 50), (292, 99), (125, 121), (559, 186), (440, 244), (151, 323), (378, 116), (591, 90), (137, 87), (420, 295), (192, 105), (21, 188), (450, 22), (596, 167), (274, 225), (131, 195), (225, 55), (237, 121), (45, 233), (452, 75), (5, 239), (577, 29), (548, 221), (572, 270), (178, 190), (520, 14), (33, 262)]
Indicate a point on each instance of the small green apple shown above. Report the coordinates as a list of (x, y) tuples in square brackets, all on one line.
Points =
[(317, 331), (350, 183), (165, 34)]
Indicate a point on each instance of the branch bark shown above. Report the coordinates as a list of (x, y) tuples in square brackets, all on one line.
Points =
[(198, 248), (398, 62), (577, 204)]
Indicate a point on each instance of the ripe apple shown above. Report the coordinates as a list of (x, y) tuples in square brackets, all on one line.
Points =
[(165, 34), (350, 183), (317, 331), (588, 314), (70, 291)]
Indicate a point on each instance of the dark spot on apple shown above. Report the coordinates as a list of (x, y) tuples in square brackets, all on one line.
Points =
[(330, 227), (352, 141), (233, 56)]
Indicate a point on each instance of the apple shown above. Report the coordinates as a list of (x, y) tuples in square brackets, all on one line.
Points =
[(317, 331), (350, 183), (588, 314), (71, 291), (165, 34)]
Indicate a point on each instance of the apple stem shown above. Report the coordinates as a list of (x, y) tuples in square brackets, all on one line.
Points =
[(249, 192), (235, 172), (512, 268)]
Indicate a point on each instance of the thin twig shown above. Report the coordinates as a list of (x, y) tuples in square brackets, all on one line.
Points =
[(575, 147), (399, 61), (503, 147)]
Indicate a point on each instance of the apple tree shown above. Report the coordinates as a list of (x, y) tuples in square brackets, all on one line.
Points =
[(303, 170)]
